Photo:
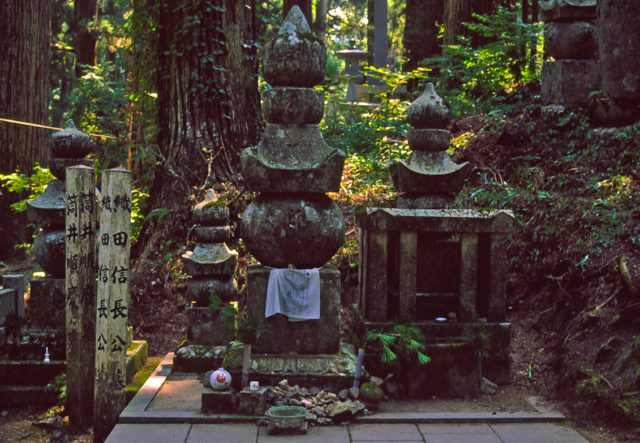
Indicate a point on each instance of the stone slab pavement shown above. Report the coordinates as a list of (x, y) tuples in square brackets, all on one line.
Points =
[(354, 433), (169, 411)]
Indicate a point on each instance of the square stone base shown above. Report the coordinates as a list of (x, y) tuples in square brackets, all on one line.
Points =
[(47, 303), (453, 370), (252, 402), (206, 328), (217, 401), (569, 81), (281, 336)]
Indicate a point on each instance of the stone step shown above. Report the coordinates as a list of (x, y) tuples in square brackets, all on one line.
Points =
[(29, 373), (27, 395)]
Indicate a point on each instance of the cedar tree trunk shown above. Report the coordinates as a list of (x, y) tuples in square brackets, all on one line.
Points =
[(24, 96)]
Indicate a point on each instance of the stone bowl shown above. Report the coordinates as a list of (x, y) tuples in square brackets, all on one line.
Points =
[(286, 417)]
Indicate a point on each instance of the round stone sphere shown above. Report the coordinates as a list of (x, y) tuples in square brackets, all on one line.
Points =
[(48, 248), (303, 230), (70, 142)]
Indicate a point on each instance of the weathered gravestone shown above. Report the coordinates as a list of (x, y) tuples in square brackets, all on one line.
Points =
[(80, 282), (112, 304)]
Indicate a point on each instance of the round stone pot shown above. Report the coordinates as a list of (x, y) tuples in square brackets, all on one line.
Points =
[(48, 248), (303, 230)]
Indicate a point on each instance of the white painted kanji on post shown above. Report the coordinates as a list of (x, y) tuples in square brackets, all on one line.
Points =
[(80, 283), (112, 311)]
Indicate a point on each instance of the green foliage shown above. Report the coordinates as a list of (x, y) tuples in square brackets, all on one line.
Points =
[(478, 336), (32, 185), (98, 101), (59, 385), (478, 79), (404, 342), (241, 326)]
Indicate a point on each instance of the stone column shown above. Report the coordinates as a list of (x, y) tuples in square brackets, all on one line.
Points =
[(569, 38), (619, 43), (293, 222), (211, 265), (80, 282), (47, 295), (112, 313)]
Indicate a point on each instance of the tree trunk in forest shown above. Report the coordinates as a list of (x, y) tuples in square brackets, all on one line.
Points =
[(305, 6), (458, 11), (24, 96), (320, 24), (420, 38), (208, 101), (85, 11)]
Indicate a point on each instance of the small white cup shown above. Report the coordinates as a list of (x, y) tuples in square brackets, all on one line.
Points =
[(254, 386)]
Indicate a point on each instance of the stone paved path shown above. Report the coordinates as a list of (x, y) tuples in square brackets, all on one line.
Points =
[(429, 433)]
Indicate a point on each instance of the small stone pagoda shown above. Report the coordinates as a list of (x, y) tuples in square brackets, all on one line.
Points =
[(429, 179), (212, 266), (436, 267)]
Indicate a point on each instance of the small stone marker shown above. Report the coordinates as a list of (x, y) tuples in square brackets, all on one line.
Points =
[(80, 285), (113, 300)]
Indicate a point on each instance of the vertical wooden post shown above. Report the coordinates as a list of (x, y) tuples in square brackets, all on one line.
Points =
[(377, 289), (407, 276), (468, 276), (80, 285), (362, 269), (497, 279), (113, 298)]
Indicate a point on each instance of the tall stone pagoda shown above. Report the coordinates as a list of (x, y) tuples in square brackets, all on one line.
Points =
[(293, 223)]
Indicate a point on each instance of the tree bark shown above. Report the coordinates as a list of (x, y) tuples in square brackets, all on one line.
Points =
[(208, 101), (24, 96), (457, 12), (320, 24), (420, 38), (305, 6), (85, 11)]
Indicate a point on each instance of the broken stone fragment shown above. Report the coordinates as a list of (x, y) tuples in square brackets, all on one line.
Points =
[(429, 110), (295, 57), (345, 410)]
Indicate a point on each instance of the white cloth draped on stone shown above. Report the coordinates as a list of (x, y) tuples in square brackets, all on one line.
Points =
[(294, 293)]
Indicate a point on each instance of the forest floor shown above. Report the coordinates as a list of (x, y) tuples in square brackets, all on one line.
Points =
[(572, 286)]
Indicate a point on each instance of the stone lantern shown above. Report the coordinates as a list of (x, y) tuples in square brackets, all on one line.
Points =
[(47, 300)]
